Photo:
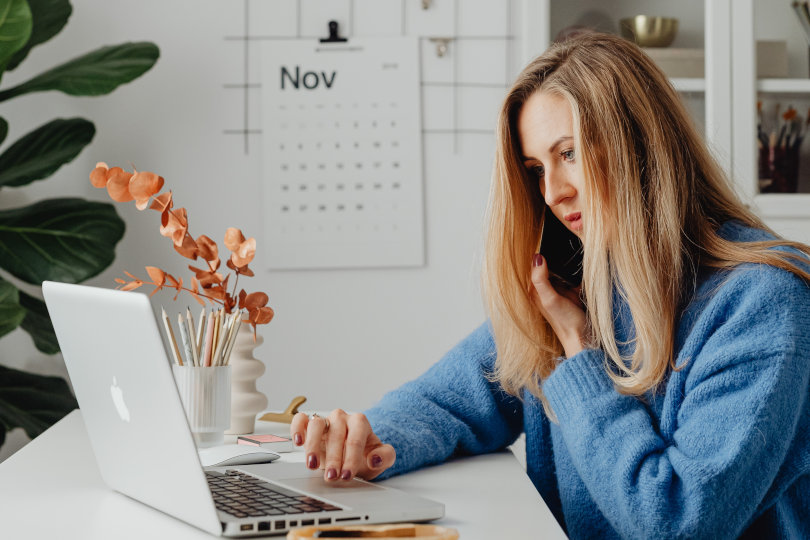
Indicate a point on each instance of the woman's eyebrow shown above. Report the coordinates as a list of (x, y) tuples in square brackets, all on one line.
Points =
[(559, 141), (554, 145)]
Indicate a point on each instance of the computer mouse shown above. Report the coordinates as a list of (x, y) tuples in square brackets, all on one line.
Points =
[(235, 454)]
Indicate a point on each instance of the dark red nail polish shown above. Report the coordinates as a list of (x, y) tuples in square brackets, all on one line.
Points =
[(537, 260), (346, 475), (376, 461), (312, 461), (331, 474), (297, 439)]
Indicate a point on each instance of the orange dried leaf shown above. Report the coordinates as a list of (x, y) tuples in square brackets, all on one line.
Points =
[(132, 285), (233, 238), (217, 291), (99, 175), (118, 185), (142, 186), (188, 248), (208, 249), (176, 226), (245, 271), (163, 202), (158, 276), (244, 253), (256, 300), (173, 282), (206, 277), (130, 275), (265, 315)]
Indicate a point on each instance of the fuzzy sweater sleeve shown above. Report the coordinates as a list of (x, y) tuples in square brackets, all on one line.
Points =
[(740, 404), (452, 408)]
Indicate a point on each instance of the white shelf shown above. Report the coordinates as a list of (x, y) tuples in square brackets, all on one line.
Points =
[(783, 205), (683, 84), (784, 86)]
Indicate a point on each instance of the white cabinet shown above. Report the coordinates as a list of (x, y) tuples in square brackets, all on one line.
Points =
[(753, 20), (724, 101)]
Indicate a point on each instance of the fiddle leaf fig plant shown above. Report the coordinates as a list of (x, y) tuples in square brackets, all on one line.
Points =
[(62, 239)]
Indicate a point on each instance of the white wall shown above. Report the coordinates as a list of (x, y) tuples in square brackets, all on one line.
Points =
[(339, 337)]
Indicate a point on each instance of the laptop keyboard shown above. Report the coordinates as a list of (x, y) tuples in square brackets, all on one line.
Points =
[(242, 495)]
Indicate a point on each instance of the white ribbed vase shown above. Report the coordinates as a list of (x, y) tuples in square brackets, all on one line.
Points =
[(246, 401)]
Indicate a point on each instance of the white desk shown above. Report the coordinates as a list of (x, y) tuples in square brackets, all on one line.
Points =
[(52, 489)]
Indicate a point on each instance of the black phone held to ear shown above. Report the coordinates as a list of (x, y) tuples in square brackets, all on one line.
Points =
[(562, 250)]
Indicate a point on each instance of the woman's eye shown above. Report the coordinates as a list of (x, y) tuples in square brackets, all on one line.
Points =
[(568, 155), (538, 170)]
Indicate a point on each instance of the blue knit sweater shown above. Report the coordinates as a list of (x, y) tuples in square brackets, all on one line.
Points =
[(722, 450)]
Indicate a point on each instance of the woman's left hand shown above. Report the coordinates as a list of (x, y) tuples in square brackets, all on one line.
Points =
[(561, 308)]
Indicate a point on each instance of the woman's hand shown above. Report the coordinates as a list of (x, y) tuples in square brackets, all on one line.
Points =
[(342, 444), (561, 308)]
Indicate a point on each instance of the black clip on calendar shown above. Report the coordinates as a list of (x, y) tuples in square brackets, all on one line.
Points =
[(333, 34)]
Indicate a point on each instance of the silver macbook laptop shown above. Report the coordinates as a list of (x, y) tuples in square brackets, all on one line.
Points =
[(143, 446)]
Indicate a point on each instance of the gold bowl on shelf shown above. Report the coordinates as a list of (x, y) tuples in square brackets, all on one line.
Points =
[(648, 31)]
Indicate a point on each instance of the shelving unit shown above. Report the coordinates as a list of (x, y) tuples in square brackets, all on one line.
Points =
[(800, 87), (689, 85), (787, 213)]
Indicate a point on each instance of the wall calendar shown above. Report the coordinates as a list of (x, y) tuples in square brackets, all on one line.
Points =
[(341, 154)]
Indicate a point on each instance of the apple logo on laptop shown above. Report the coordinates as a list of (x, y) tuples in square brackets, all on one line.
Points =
[(118, 400)]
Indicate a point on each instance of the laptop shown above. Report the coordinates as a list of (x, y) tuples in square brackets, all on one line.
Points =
[(144, 448)]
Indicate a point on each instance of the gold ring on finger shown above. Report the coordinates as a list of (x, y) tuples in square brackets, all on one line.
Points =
[(325, 420)]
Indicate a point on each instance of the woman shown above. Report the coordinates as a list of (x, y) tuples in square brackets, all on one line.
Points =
[(666, 397)]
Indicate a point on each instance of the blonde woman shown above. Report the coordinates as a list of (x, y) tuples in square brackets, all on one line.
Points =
[(668, 395)]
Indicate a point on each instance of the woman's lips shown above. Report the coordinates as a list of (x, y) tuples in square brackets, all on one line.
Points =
[(574, 219)]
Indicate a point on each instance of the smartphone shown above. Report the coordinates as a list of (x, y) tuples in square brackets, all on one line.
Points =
[(562, 251)]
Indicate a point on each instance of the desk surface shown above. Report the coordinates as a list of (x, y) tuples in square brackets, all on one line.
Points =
[(52, 488)]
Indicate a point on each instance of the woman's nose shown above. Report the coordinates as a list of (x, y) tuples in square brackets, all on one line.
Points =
[(556, 188)]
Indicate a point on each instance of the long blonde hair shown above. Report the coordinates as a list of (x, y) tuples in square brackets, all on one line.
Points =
[(654, 199)]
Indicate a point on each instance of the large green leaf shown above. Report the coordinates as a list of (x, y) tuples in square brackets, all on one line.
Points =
[(49, 17), (11, 312), (32, 402), (37, 323), (41, 152), (15, 28), (3, 130), (93, 74), (67, 240)]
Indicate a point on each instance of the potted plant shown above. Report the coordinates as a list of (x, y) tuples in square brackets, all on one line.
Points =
[(61, 239)]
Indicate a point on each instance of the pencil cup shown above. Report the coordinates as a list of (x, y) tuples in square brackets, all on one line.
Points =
[(206, 396)]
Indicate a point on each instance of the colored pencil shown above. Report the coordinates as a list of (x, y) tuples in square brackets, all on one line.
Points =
[(172, 341)]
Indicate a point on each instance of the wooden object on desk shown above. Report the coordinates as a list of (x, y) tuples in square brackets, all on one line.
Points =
[(399, 530), (286, 416)]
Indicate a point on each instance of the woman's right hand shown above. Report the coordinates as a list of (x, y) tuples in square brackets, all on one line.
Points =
[(342, 444)]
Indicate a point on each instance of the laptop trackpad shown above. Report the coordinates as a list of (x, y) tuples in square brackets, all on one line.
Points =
[(316, 485)]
